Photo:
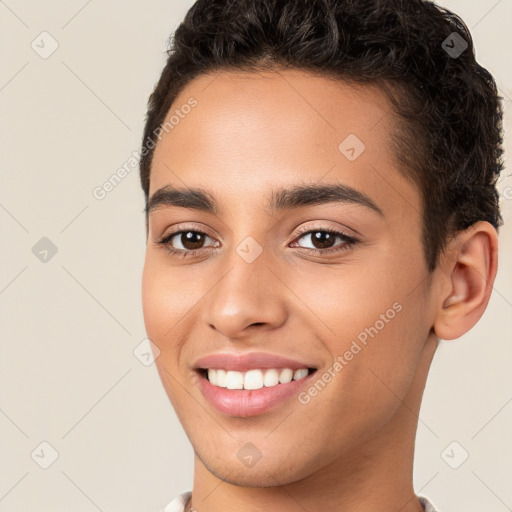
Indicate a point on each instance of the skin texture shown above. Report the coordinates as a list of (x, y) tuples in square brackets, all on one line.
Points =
[(351, 447)]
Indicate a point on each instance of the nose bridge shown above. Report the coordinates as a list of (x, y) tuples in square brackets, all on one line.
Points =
[(246, 290)]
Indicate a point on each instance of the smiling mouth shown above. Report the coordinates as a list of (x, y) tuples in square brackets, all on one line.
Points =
[(253, 379)]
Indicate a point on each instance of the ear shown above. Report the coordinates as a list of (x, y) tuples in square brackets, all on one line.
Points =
[(468, 269)]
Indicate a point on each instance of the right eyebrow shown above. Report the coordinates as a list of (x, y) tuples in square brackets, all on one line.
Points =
[(194, 198)]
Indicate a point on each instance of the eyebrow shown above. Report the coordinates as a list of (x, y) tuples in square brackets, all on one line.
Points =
[(281, 199)]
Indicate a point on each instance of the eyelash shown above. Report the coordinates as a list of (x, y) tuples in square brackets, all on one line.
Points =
[(348, 242)]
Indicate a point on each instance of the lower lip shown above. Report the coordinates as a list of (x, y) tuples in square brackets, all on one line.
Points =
[(250, 402)]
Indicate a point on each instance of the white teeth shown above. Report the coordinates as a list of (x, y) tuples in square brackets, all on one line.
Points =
[(271, 378), (254, 379), (300, 373), (221, 378), (234, 380), (285, 376)]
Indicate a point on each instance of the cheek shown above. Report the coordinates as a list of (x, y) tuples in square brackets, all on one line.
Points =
[(165, 318), (373, 318), (153, 304), (343, 300), (171, 302), (161, 311), (166, 300)]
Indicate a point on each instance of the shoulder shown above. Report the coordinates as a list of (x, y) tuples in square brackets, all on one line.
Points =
[(178, 503), (426, 504)]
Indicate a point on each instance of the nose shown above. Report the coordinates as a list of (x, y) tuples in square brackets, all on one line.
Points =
[(247, 296)]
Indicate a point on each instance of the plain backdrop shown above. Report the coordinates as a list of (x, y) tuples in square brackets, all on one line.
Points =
[(85, 424)]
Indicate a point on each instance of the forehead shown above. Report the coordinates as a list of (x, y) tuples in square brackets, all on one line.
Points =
[(250, 133)]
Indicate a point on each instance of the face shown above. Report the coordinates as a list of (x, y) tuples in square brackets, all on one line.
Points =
[(268, 282)]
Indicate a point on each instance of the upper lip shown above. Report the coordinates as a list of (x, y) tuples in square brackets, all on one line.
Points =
[(248, 361)]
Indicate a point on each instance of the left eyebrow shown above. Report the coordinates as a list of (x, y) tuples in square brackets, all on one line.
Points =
[(306, 195), (281, 199)]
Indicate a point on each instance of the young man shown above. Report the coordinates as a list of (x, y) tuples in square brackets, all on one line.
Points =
[(321, 209)]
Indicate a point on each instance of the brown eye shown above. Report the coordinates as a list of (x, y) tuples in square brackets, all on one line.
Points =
[(184, 242), (322, 239), (191, 239)]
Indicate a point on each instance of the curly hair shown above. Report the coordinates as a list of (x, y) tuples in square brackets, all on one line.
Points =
[(449, 142)]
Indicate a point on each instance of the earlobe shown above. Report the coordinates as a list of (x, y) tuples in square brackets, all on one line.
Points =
[(469, 270)]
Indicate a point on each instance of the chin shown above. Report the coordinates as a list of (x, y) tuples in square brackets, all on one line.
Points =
[(270, 473)]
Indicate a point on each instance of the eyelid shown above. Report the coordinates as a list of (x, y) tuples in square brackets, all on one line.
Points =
[(178, 228), (348, 232), (304, 228), (349, 240)]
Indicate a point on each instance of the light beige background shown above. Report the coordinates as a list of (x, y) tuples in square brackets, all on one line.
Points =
[(69, 327)]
